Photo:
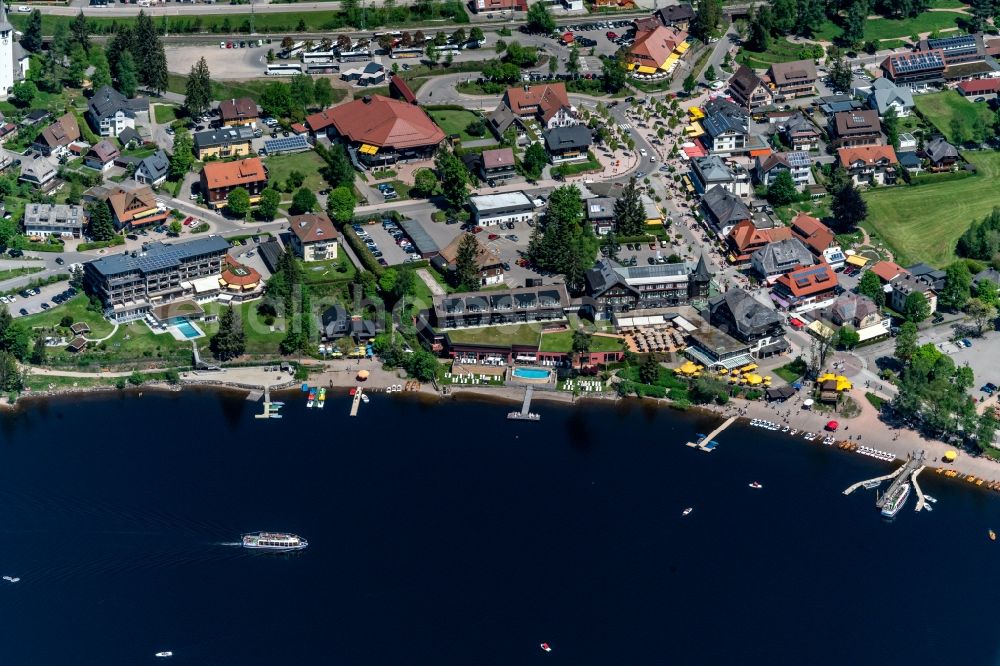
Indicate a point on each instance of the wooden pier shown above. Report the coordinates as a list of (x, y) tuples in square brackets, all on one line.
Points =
[(921, 498), (525, 413), (356, 403), (707, 439)]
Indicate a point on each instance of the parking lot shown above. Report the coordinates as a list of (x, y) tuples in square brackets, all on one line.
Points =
[(236, 64), (20, 305)]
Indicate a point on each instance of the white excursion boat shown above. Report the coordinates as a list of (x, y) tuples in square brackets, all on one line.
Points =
[(756, 486), (168, 653), (687, 511), (273, 541)]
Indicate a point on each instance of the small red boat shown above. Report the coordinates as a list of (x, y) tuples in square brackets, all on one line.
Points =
[(352, 391), (546, 647)]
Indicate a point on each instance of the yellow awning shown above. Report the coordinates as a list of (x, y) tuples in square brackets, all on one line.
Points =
[(646, 70), (857, 260), (630, 66), (694, 129), (670, 61), (368, 149), (696, 113), (682, 47)]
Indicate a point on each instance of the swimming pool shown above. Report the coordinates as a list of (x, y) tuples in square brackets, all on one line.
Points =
[(531, 373), (186, 328)]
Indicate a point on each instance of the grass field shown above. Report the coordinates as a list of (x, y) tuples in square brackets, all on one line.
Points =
[(330, 270), (944, 107), (165, 113), (76, 309), (453, 121), (883, 28), (780, 50), (519, 334), (308, 164), (923, 223), (11, 273), (563, 342), (260, 338)]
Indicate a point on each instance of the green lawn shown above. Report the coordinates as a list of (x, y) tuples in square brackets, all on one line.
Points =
[(947, 4), (260, 338), (331, 270), (515, 334), (883, 28), (76, 309), (779, 50), (454, 122), (943, 108), (165, 113), (563, 342), (573, 168), (11, 273), (308, 164), (923, 223)]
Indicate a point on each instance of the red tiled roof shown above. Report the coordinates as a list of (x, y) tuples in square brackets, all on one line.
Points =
[(655, 46), (384, 122), (312, 227), (887, 270), (239, 275), (816, 235), (320, 120), (233, 174), (299, 128), (979, 86), (745, 235), (402, 90), (545, 100), (870, 155), (809, 281)]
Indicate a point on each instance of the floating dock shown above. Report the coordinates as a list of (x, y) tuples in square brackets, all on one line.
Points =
[(270, 408), (908, 471), (708, 443), (525, 414), (921, 498)]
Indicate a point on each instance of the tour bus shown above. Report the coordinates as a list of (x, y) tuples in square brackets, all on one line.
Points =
[(293, 51), (446, 50), (355, 56), (408, 52), (283, 69)]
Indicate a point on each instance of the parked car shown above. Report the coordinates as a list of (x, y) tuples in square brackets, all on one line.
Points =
[(23, 312), (60, 261), (46, 306)]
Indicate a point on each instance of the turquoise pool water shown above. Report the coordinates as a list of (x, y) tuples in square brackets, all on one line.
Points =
[(531, 373), (185, 327)]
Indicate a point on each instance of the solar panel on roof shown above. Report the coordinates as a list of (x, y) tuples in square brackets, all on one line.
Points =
[(286, 144)]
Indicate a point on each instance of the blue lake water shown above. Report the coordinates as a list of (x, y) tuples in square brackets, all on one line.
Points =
[(443, 534)]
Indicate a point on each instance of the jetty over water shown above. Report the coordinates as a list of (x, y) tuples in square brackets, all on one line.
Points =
[(906, 472), (705, 442), (525, 413)]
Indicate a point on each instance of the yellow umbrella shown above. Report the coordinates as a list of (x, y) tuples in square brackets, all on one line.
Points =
[(688, 368), (723, 371), (950, 456), (363, 374), (754, 379)]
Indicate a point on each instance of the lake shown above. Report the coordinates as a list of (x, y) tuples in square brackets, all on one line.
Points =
[(444, 534)]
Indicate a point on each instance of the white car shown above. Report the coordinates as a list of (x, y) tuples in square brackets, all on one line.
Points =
[(24, 9), (718, 85), (642, 151), (222, 45)]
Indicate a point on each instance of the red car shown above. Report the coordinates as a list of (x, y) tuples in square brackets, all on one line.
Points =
[(611, 35), (476, 230), (493, 237)]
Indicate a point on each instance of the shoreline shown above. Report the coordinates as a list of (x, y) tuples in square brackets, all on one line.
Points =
[(874, 432)]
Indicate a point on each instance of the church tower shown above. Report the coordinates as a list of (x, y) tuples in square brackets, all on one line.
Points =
[(700, 280), (6, 53)]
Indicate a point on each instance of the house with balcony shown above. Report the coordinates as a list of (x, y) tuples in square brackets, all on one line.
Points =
[(849, 129), (917, 70), (707, 172), (102, 155), (239, 111), (223, 142), (218, 179), (869, 165), (489, 265), (941, 155), (53, 220), (136, 209), (799, 132), (887, 95), (797, 163), (905, 284), (724, 210), (110, 113), (778, 258), (612, 288), (498, 166), (806, 288), (748, 90), (740, 316), (314, 238), (745, 239), (792, 79)]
